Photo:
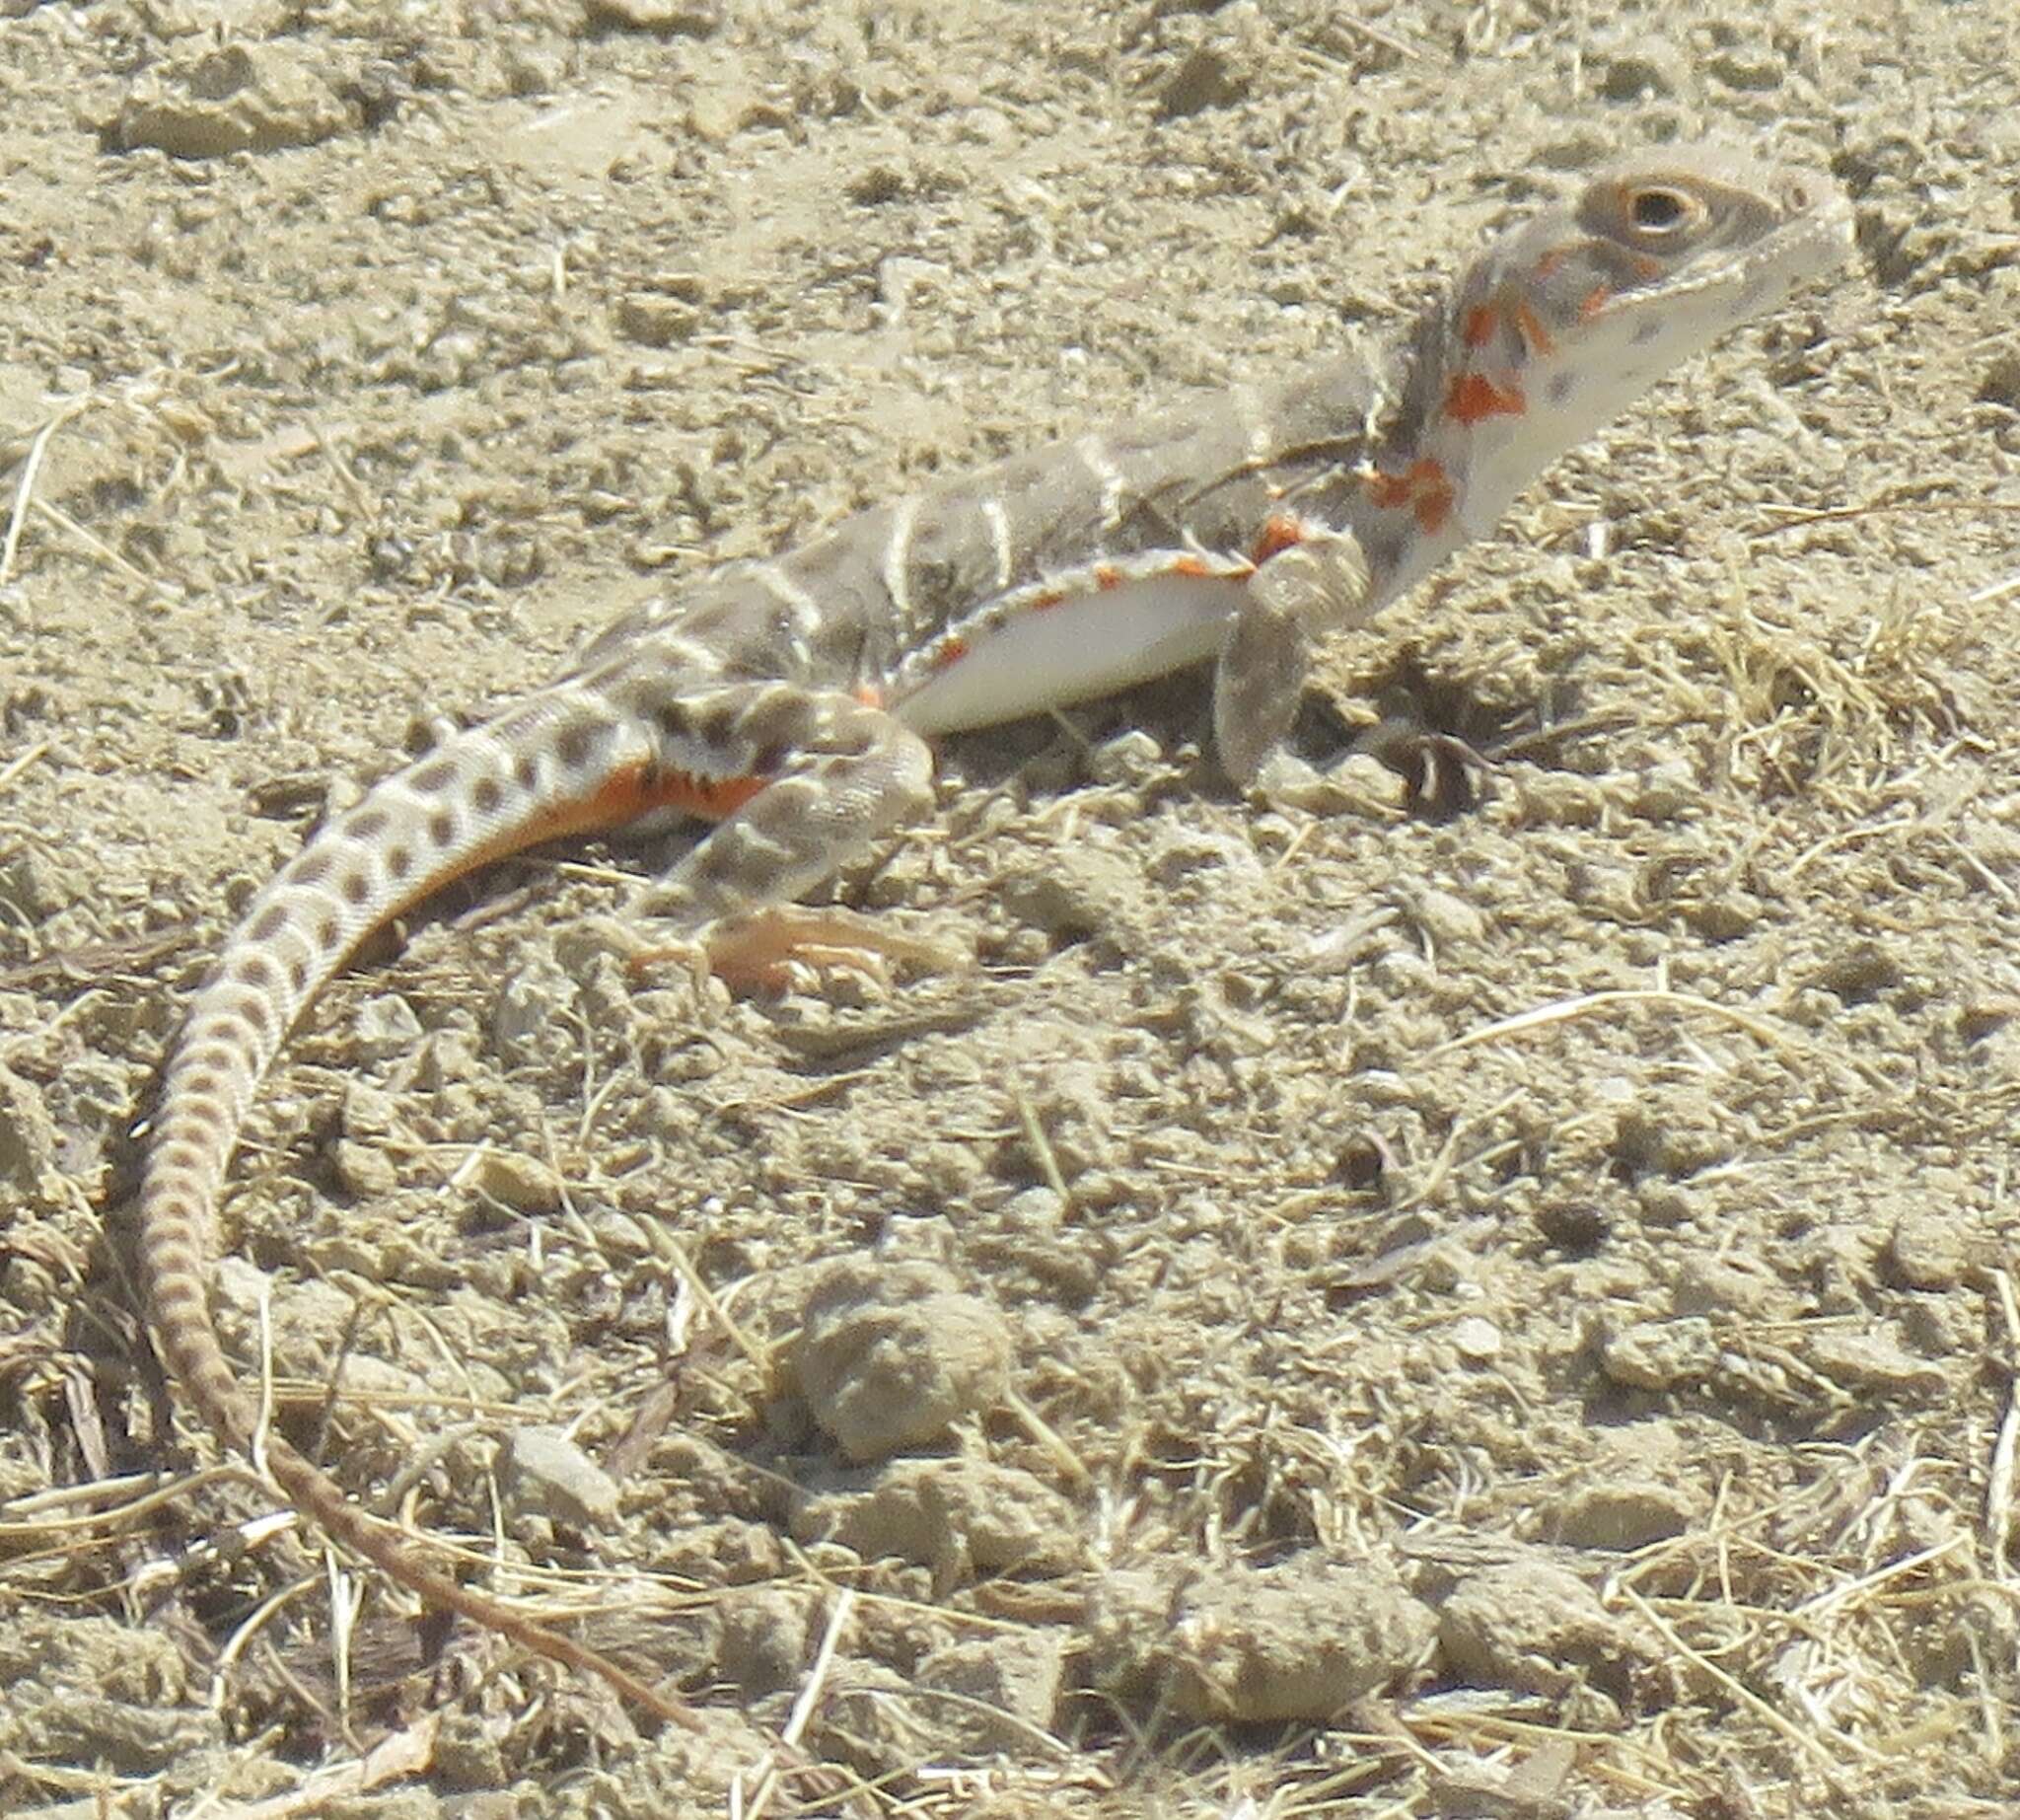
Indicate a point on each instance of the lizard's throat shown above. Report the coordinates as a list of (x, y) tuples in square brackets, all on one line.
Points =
[(1500, 429)]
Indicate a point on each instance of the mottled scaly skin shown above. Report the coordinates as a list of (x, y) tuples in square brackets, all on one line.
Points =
[(787, 701)]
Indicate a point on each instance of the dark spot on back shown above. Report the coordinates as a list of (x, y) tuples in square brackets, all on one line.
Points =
[(488, 795), (400, 861), (329, 934), (442, 829), (432, 779), (357, 888), (527, 769), (298, 976), (270, 923), (576, 745), (313, 867), (367, 823), (256, 971)]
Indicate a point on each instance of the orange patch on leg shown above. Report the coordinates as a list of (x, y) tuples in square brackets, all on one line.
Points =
[(1281, 530), (623, 796), (634, 791)]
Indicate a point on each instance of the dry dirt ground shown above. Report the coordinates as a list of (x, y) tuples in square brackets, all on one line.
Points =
[(1501, 1304)]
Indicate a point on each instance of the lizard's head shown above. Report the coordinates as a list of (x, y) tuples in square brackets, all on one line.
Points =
[(1562, 322)]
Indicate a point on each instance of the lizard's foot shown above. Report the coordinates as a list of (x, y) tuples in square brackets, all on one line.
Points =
[(1442, 774), (787, 946)]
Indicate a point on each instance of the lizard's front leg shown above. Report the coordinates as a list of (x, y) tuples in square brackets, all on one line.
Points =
[(1315, 586)]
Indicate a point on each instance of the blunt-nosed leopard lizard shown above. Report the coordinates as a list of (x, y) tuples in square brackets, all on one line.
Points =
[(790, 701)]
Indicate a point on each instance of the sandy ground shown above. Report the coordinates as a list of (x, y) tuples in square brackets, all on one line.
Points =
[(1507, 1312)]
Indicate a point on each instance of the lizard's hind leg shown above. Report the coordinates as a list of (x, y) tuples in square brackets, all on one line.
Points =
[(805, 781)]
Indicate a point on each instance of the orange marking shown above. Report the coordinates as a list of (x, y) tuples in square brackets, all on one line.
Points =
[(869, 694), (1281, 530), (637, 790), (623, 796), (1053, 597), (1107, 575), (1595, 301), (1478, 327), (1434, 503), (948, 652), (1474, 396), (1195, 566), (1535, 336), (1423, 487), (1549, 263)]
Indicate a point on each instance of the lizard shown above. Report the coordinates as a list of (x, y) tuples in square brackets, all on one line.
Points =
[(790, 701)]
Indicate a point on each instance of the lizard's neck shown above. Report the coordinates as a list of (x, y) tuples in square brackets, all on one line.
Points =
[(1473, 415)]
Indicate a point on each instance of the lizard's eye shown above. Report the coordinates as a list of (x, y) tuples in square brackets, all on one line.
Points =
[(1659, 211)]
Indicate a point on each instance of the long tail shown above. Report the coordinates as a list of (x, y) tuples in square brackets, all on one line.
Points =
[(540, 771)]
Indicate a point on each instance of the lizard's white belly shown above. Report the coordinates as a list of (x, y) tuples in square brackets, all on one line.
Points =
[(1090, 644)]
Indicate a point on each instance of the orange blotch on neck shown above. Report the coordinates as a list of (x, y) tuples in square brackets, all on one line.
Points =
[(1478, 328), (1535, 336), (1424, 490), (1474, 397), (1595, 301)]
